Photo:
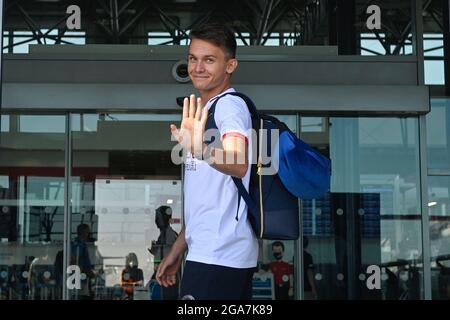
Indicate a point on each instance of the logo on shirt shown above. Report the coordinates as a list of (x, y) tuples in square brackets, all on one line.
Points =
[(191, 163)]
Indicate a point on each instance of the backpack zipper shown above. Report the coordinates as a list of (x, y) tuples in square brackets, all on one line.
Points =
[(260, 179)]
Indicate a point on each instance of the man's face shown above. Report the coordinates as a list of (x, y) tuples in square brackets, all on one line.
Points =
[(208, 65), (85, 234), (159, 220), (277, 252)]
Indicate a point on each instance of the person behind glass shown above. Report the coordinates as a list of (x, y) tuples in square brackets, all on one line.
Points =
[(131, 275), (222, 247), (167, 235), (308, 267), (80, 257), (162, 245), (59, 273), (283, 273), (33, 278), (24, 279)]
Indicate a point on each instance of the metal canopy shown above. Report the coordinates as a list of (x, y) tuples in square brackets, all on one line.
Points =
[(324, 100), (304, 79)]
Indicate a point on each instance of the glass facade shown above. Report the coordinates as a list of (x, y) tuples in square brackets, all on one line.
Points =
[(371, 217), (438, 146), (377, 161), (32, 204), (120, 186)]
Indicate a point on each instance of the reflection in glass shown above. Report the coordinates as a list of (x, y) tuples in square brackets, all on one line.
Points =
[(45, 124), (438, 123), (32, 207), (372, 215), (275, 275), (438, 134), (4, 125), (439, 214), (122, 174), (312, 124), (274, 278)]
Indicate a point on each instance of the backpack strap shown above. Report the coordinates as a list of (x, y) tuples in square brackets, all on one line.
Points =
[(211, 123), (244, 194), (250, 105)]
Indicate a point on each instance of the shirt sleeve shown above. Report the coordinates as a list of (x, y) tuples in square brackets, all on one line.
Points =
[(232, 117)]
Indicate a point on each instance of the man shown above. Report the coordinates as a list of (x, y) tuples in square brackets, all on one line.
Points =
[(222, 248), (167, 236), (161, 247), (80, 256), (308, 269), (283, 273)]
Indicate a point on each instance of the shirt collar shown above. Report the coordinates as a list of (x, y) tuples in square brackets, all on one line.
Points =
[(210, 102)]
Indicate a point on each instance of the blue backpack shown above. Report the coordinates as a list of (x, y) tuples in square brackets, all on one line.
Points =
[(272, 199)]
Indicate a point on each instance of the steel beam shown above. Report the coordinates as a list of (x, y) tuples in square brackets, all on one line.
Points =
[(263, 21)]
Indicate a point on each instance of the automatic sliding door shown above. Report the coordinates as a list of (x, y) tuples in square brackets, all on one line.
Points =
[(122, 179)]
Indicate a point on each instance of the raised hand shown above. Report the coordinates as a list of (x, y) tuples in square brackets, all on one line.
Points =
[(190, 135)]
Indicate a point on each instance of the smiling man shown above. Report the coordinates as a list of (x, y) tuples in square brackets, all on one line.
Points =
[(222, 248)]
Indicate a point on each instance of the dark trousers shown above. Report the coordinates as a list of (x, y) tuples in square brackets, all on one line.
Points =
[(212, 282), (282, 292)]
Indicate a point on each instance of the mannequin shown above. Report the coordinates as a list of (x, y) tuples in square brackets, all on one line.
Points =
[(161, 247)]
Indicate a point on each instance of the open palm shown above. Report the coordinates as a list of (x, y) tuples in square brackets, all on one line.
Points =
[(192, 129)]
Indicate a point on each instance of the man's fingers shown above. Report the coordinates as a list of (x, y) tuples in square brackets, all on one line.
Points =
[(204, 116), (158, 278), (171, 280), (185, 107), (160, 273), (192, 106), (164, 281), (198, 112)]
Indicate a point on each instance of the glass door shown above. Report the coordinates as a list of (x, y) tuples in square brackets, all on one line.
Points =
[(126, 205), (363, 239), (31, 205)]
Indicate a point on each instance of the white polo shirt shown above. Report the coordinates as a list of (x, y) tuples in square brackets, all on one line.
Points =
[(212, 233)]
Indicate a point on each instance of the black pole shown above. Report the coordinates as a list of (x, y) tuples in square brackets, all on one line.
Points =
[(332, 24), (446, 33), (346, 27), (1, 62), (341, 26)]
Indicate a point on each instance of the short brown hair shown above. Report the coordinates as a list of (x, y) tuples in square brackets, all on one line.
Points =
[(218, 34)]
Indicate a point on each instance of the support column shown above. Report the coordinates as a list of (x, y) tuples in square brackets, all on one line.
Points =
[(341, 26), (446, 32), (1, 59)]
